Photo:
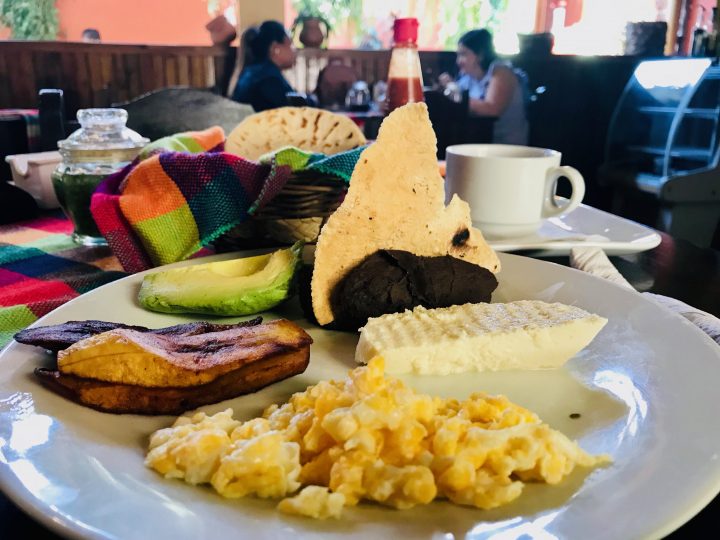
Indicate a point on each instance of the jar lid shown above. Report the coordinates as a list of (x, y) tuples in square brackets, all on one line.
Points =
[(405, 29), (103, 129)]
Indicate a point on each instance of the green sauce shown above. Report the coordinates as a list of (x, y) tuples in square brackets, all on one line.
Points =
[(73, 192)]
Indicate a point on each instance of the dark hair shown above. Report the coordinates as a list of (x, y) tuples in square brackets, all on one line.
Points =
[(257, 40), (91, 33), (481, 43)]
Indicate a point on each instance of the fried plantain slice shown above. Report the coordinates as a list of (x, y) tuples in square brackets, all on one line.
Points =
[(134, 399)]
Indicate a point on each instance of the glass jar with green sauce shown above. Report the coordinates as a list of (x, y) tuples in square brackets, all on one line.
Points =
[(102, 146)]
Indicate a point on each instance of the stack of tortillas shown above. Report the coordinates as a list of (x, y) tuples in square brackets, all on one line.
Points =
[(306, 128), (396, 200)]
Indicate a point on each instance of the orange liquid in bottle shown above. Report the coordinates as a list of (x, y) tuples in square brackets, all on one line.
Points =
[(402, 90)]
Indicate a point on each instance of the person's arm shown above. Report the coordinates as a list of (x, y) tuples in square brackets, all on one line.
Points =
[(269, 93), (499, 93)]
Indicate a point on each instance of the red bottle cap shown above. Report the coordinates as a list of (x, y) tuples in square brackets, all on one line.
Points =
[(405, 30)]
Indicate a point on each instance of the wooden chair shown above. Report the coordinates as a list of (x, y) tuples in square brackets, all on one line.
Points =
[(172, 110), (334, 81)]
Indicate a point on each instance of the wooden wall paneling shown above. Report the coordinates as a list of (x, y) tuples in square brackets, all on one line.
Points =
[(81, 81), (13, 62), (183, 64), (171, 76), (95, 74), (132, 68), (97, 86), (210, 71), (5, 95), (357, 67), (380, 75), (68, 83), (108, 78), (119, 81), (48, 70), (22, 79), (148, 76), (197, 71), (376, 72), (362, 69), (356, 64), (40, 77), (218, 69), (158, 63), (368, 70)]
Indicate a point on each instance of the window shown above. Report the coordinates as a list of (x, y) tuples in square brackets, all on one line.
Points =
[(578, 26)]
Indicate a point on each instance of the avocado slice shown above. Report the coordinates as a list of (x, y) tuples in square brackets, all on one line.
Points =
[(235, 287)]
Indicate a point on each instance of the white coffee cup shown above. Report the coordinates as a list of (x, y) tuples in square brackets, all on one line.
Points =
[(510, 189)]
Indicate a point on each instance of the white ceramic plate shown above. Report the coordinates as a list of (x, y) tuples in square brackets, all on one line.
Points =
[(646, 390), (584, 227)]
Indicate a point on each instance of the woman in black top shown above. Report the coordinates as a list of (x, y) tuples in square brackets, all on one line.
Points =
[(268, 49)]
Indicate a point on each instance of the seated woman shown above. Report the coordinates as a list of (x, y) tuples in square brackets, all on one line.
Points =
[(494, 87), (268, 49)]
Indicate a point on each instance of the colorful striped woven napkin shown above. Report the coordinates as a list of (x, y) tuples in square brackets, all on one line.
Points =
[(42, 268), (168, 206)]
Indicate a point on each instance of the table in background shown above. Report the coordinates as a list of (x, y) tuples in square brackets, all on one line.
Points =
[(675, 268)]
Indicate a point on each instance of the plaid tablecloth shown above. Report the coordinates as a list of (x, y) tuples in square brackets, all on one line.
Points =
[(41, 268)]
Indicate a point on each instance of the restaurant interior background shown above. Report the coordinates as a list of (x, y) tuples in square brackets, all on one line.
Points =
[(580, 56)]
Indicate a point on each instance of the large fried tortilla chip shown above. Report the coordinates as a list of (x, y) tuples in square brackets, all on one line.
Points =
[(312, 130), (396, 200)]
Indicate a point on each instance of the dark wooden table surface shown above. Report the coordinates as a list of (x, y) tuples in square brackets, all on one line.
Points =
[(675, 268)]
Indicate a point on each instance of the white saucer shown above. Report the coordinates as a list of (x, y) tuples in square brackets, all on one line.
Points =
[(584, 227)]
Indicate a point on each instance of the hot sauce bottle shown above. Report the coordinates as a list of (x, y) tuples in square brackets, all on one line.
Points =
[(404, 74)]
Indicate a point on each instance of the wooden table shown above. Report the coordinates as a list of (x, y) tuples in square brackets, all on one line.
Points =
[(675, 268)]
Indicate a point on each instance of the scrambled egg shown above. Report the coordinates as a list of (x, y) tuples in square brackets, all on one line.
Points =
[(369, 437)]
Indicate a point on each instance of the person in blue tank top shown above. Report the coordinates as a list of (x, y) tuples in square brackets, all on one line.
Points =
[(494, 87), (268, 50)]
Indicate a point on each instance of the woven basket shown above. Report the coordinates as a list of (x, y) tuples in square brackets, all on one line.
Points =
[(305, 195), (296, 213)]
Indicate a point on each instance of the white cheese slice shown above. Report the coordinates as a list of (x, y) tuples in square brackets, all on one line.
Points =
[(528, 334)]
